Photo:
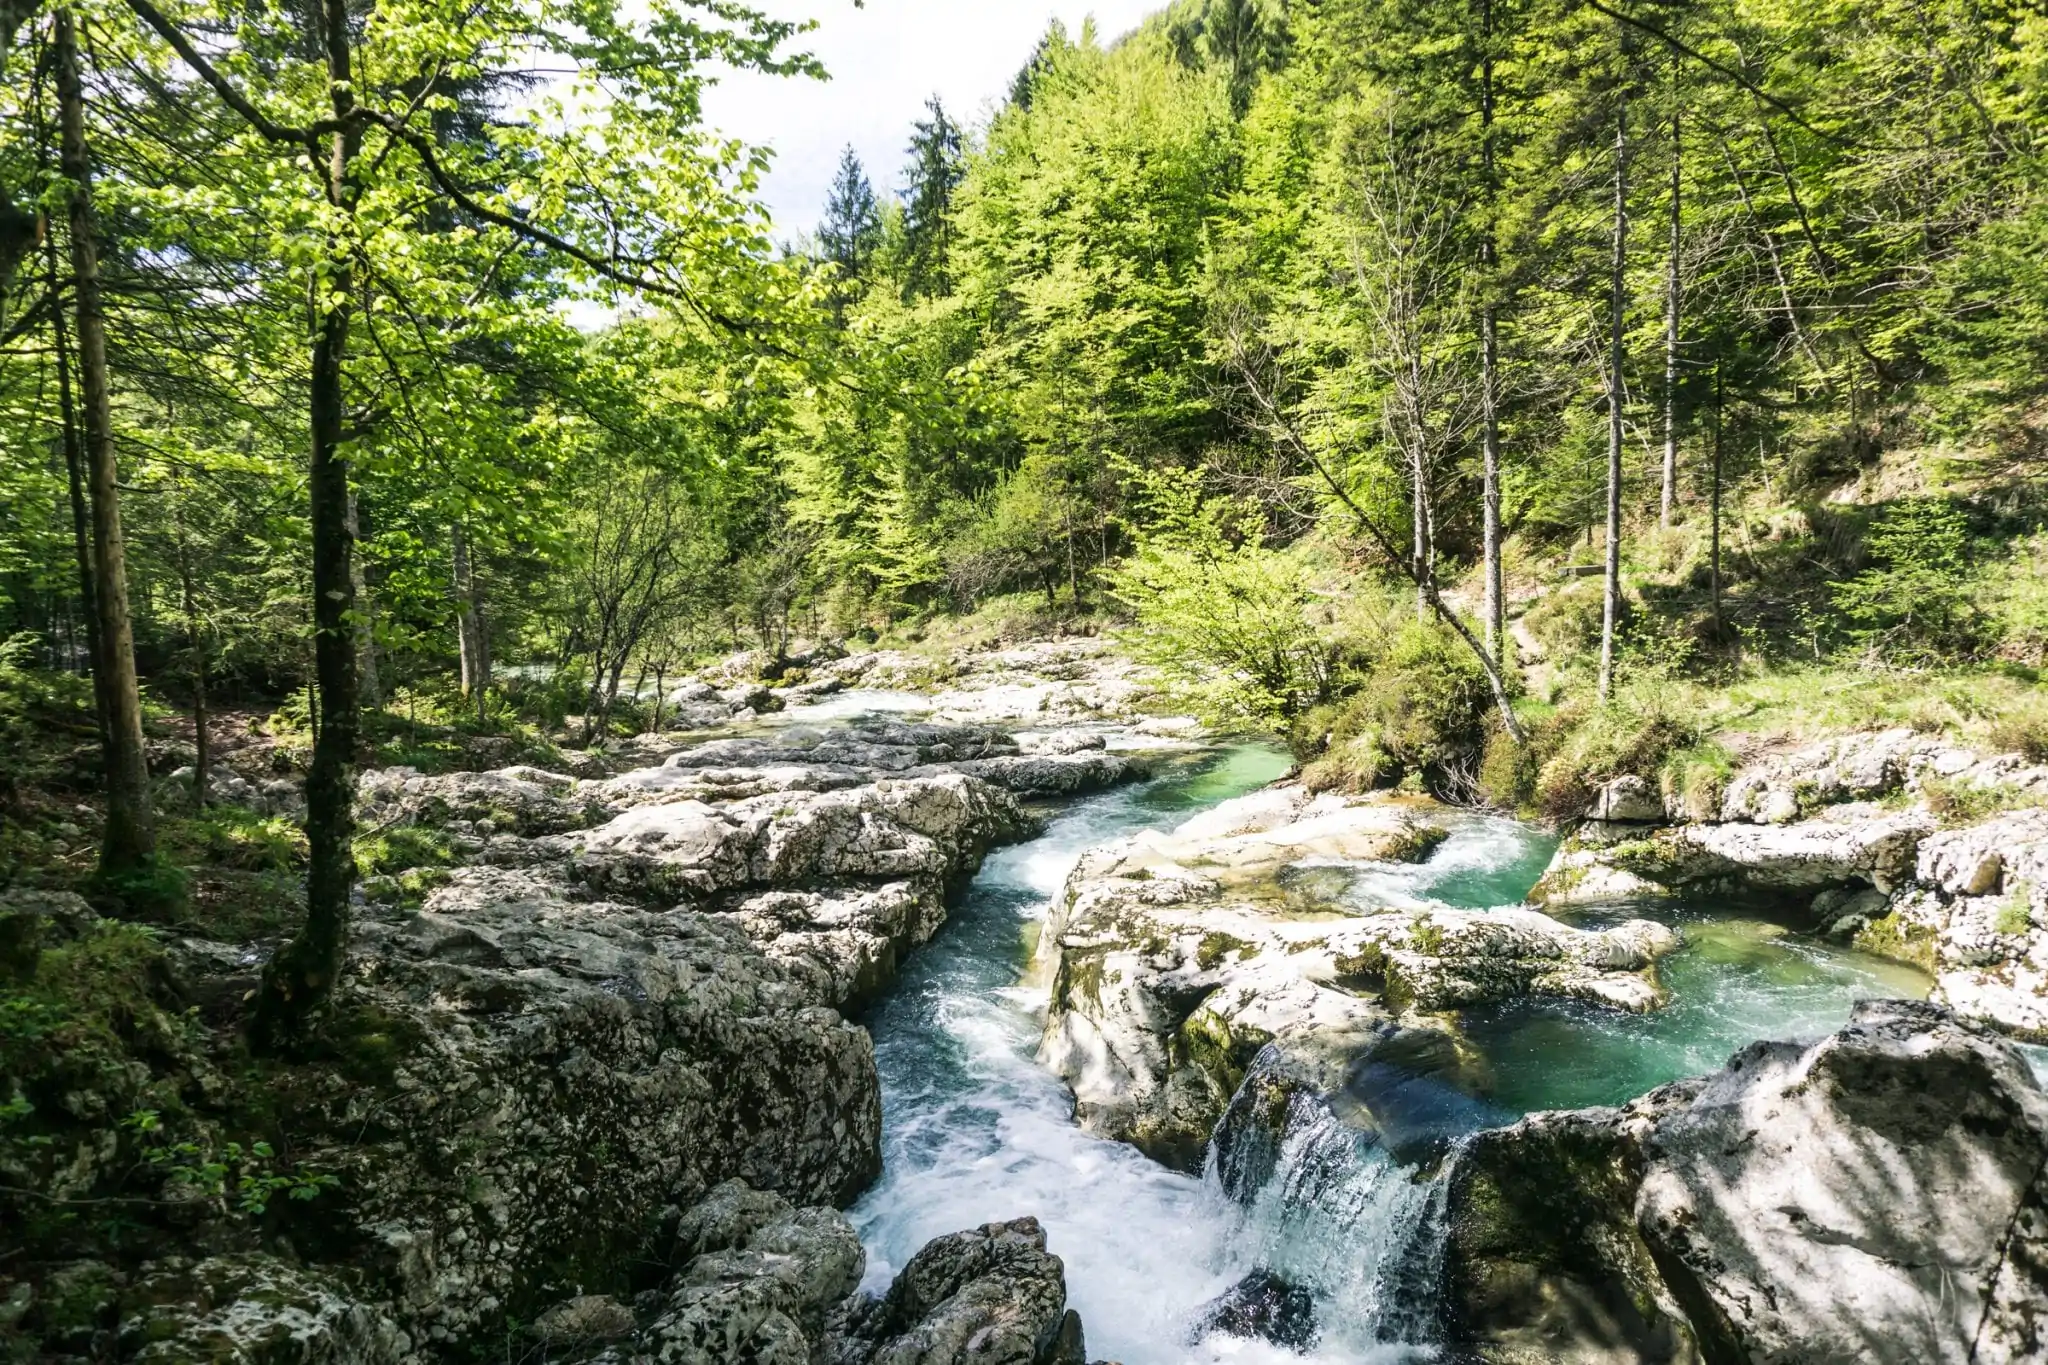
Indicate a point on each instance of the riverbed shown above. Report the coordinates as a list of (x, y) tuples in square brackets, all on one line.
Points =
[(975, 1130)]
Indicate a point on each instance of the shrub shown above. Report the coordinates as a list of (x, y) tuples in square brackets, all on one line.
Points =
[(2023, 731), (1508, 771), (1233, 622), (1429, 701), (1635, 733), (1915, 600)]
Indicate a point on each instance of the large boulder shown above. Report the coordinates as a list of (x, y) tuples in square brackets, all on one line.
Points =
[(993, 1294), (936, 828), (1852, 845), (1876, 1196)]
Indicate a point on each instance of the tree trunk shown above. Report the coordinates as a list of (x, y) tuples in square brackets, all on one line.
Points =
[(1418, 517), (465, 618), (1489, 362), (130, 841), (81, 515), (1673, 301), (195, 644), (305, 970), (1618, 347), (366, 628), (1714, 531)]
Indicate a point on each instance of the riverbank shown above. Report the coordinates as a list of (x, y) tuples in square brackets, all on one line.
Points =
[(945, 950)]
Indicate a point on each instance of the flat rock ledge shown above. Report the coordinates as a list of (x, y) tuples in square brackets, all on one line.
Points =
[(1900, 844), (1876, 1196), (1174, 960)]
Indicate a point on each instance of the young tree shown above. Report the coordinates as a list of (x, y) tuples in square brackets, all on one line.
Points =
[(1617, 357), (130, 839)]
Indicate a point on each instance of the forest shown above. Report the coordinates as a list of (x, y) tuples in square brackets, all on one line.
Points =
[(1521, 410), (378, 366)]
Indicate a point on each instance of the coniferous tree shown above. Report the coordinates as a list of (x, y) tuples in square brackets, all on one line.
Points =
[(938, 163), (853, 218)]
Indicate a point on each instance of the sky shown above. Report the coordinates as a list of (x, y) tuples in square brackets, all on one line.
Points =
[(886, 59)]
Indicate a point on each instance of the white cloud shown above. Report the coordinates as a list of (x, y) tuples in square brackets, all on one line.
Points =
[(886, 59)]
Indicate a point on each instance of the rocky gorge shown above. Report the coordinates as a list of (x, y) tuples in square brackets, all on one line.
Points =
[(669, 1067)]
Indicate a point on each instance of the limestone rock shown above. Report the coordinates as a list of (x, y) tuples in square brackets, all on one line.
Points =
[(934, 827), (760, 1293), (526, 801), (994, 1294), (254, 1310), (1262, 1307), (1628, 800), (1847, 845), (1170, 970), (1878, 1195)]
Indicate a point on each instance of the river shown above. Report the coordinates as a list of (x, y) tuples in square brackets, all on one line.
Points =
[(975, 1131)]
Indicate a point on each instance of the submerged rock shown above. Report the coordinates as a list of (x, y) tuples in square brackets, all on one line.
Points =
[(1261, 1307), (1876, 1196), (1823, 826)]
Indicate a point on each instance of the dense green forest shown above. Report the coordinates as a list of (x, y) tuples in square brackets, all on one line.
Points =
[(1489, 395)]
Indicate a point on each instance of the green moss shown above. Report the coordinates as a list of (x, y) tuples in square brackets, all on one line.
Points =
[(1425, 936), (1218, 945), (1896, 937), (2016, 916), (403, 849)]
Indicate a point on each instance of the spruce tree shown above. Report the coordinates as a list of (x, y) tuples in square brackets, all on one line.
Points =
[(938, 164), (853, 218)]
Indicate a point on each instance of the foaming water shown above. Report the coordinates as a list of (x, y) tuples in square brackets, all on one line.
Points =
[(975, 1131)]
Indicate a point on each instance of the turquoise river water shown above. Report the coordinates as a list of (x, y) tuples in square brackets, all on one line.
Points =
[(975, 1130)]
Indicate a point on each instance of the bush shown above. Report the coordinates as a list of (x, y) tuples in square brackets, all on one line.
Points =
[(1233, 622), (1508, 772), (1915, 601), (2023, 731), (1421, 714), (1429, 700)]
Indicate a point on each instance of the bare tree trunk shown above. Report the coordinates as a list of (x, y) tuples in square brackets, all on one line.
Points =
[(130, 841), (366, 628), (195, 645), (305, 970), (1418, 516), (81, 515), (465, 616), (1673, 301), (1616, 317), (1714, 532)]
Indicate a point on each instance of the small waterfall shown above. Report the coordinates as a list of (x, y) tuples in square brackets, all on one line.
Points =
[(1326, 1208)]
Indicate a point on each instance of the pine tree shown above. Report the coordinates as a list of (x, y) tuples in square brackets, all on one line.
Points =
[(853, 218), (938, 164)]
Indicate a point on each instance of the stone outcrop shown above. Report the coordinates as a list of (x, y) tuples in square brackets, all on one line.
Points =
[(1880, 1195), (1175, 959), (1854, 829), (596, 1079), (991, 1294)]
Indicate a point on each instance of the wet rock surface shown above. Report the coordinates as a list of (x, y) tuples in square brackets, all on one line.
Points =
[(1878, 1195), (1262, 1307), (1896, 842), (1175, 959), (991, 1294)]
